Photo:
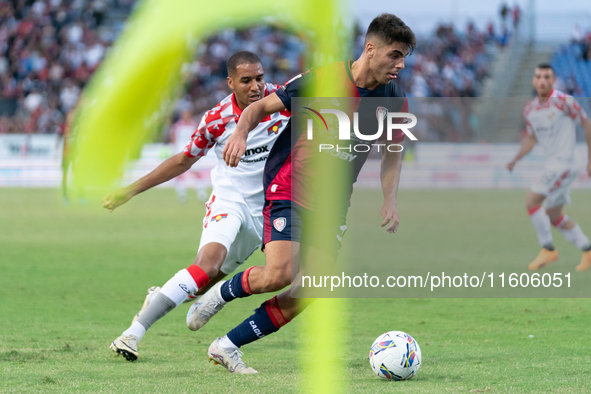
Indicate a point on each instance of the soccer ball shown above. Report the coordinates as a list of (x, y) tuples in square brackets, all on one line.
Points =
[(395, 355)]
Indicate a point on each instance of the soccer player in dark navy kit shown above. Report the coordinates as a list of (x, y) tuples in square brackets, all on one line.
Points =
[(387, 42)]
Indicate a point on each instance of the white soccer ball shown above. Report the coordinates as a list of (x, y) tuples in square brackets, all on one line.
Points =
[(395, 355)]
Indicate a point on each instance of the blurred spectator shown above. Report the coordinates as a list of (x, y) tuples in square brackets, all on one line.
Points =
[(50, 120), (516, 15), (33, 101), (503, 38), (490, 32), (99, 9), (504, 13), (572, 88), (586, 47), (69, 95), (581, 43)]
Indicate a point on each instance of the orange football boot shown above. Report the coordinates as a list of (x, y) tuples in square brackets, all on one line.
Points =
[(585, 262), (544, 258)]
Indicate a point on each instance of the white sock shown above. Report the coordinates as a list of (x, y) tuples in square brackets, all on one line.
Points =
[(136, 329), (225, 342), (179, 287), (541, 222), (575, 235)]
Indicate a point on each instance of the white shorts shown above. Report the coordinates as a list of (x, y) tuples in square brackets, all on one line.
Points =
[(555, 184), (230, 224)]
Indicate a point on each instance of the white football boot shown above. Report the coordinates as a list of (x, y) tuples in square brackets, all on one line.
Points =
[(205, 307), (230, 358), (152, 291), (126, 345)]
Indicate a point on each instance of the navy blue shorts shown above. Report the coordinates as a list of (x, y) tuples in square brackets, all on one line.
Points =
[(281, 222), (284, 219)]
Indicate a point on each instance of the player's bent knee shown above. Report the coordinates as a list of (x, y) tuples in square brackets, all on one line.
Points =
[(211, 258)]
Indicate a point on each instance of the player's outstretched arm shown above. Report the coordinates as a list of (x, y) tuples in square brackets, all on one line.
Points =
[(526, 146), (390, 178), (250, 118), (168, 169), (587, 127)]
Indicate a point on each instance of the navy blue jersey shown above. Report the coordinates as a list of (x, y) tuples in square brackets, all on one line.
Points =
[(287, 174)]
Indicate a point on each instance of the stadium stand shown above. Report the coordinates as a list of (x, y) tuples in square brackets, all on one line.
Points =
[(572, 63), (50, 48), (282, 55), (48, 51), (450, 64)]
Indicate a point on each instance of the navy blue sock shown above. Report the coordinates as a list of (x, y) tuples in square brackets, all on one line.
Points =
[(237, 287), (258, 325)]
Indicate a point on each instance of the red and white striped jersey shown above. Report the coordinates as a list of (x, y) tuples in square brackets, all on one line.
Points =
[(553, 124), (243, 183)]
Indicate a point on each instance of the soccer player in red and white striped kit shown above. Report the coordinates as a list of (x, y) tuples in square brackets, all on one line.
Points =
[(233, 224), (551, 120)]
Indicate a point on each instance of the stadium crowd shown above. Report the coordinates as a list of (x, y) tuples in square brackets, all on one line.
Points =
[(50, 48), (48, 51), (282, 55), (448, 65), (581, 42), (572, 63)]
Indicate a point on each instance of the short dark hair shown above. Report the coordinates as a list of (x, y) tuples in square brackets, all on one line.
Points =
[(389, 29), (242, 57), (546, 66)]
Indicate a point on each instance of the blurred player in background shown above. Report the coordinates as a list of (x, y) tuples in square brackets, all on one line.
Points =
[(180, 134), (233, 224), (388, 41), (550, 120)]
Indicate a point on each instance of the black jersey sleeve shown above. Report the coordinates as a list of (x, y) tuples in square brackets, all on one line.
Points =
[(294, 88)]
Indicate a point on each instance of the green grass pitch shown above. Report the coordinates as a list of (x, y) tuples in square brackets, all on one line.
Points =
[(72, 277)]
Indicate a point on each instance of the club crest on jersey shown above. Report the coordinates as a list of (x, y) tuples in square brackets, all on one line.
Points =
[(274, 128), (279, 224), (217, 218), (381, 113)]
